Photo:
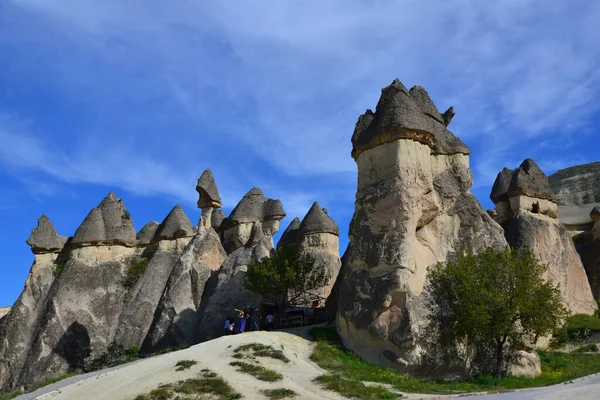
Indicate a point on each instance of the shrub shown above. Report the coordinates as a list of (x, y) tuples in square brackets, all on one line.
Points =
[(134, 272), (115, 355), (588, 348), (577, 328), (57, 269)]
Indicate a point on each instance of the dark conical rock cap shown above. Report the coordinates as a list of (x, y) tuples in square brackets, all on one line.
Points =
[(530, 180), (146, 234), (254, 207), (595, 213), (91, 230), (44, 237), (289, 236), (117, 221), (216, 218), (500, 189), (207, 189), (317, 221), (404, 114), (175, 225)]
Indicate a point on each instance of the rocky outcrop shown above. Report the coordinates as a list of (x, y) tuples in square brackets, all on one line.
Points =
[(4, 311), (176, 225), (146, 234), (318, 236), (225, 290), (253, 208), (110, 223), (578, 185), (208, 199), (529, 219), (413, 208), (44, 238)]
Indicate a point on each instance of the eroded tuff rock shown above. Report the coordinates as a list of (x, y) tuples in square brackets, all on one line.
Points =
[(529, 219), (290, 235), (146, 234), (253, 208), (4, 311), (207, 191), (177, 319), (109, 223), (224, 291), (578, 185), (44, 237), (175, 225), (413, 208)]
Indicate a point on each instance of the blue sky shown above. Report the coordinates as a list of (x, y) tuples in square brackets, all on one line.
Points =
[(139, 96)]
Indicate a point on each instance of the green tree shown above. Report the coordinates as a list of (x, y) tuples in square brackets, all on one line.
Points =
[(493, 301), (286, 277)]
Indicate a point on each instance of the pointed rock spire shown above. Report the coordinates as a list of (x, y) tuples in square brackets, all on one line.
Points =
[(404, 114), (207, 191), (530, 180), (91, 230), (501, 184), (44, 237), (217, 218), (317, 221), (146, 234), (175, 225), (289, 236), (117, 220)]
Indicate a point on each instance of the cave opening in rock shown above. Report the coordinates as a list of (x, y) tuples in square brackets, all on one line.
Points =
[(536, 208)]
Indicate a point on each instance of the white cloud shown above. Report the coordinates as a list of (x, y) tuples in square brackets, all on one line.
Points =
[(285, 81)]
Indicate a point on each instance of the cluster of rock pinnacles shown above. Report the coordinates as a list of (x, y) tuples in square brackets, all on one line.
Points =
[(413, 208)]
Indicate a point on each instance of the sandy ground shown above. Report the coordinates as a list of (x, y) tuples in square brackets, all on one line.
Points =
[(126, 382), (143, 376)]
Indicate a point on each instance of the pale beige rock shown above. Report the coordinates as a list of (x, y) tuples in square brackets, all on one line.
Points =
[(325, 249), (526, 364), (531, 205), (4, 311)]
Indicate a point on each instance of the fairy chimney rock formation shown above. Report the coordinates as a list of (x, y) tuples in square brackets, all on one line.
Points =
[(44, 237), (318, 235), (175, 225), (252, 208), (109, 223), (413, 209), (216, 218), (528, 213), (289, 236), (208, 197), (146, 234)]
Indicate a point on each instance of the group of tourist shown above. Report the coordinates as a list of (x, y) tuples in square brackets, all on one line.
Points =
[(247, 320)]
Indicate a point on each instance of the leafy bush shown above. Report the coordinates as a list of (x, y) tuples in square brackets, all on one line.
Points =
[(576, 329), (588, 348)]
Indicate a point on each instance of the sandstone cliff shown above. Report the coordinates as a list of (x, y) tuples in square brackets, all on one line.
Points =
[(527, 209), (413, 208)]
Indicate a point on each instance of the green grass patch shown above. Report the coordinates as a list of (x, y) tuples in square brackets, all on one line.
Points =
[(354, 388), (588, 348), (207, 383), (115, 355), (185, 364), (259, 350), (576, 329), (257, 371), (582, 321), (330, 355), (276, 394)]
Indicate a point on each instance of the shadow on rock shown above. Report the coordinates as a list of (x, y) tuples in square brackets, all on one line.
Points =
[(74, 346)]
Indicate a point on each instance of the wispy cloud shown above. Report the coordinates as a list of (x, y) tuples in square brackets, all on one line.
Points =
[(278, 85)]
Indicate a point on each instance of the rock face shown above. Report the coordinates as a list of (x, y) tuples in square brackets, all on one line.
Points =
[(318, 236), (44, 237), (413, 208), (253, 208), (4, 311), (529, 219), (578, 192)]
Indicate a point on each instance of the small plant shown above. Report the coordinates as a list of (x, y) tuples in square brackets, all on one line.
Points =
[(57, 269), (588, 348), (126, 214), (259, 350), (260, 373), (355, 388), (276, 394), (134, 272), (185, 364)]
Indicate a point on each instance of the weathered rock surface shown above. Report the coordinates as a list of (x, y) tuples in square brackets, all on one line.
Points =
[(4, 311), (529, 219), (253, 208), (290, 235), (413, 208), (176, 321), (207, 191), (578, 185), (175, 225), (110, 223), (225, 290), (44, 237), (146, 234)]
